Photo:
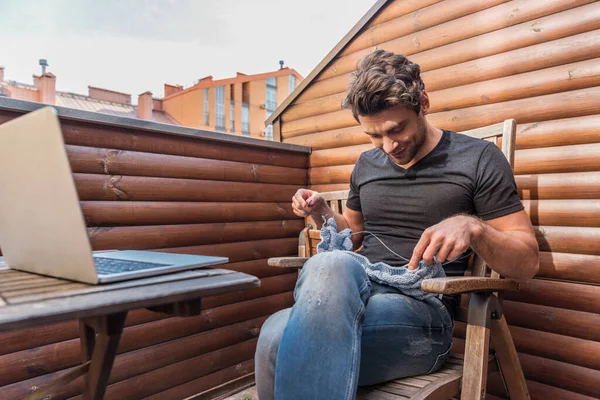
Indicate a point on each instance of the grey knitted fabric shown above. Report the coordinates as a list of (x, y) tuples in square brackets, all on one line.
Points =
[(406, 281)]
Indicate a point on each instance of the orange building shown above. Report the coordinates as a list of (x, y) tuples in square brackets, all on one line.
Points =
[(237, 105)]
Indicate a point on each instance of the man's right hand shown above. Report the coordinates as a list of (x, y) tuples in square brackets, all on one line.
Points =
[(308, 202)]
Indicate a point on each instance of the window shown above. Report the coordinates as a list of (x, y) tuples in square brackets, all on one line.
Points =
[(206, 106), (271, 94), (220, 108), (292, 83), (245, 119), (231, 116), (269, 132)]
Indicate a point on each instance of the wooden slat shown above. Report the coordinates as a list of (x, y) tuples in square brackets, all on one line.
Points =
[(417, 20), (583, 213), (568, 239), (93, 160), (537, 391), (549, 54), (576, 324), (553, 26), (484, 32), (111, 213), (30, 338), (563, 375), (175, 374), (396, 9), (565, 295), (557, 79), (204, 388), (570, 267), (242, 251), (567, 349), (581, 185), (146, 237), (101, 187), (92, 135)]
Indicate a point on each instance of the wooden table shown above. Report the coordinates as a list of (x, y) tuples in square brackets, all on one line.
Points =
[(28, 300)]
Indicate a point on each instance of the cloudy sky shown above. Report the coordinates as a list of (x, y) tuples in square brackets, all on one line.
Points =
[(137, 45)]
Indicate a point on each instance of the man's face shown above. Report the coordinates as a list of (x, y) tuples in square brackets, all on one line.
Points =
[(398, 131)]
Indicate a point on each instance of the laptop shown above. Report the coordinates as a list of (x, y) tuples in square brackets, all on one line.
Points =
[(42, 228)]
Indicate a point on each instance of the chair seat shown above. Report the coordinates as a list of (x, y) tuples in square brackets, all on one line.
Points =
[(445, 383)]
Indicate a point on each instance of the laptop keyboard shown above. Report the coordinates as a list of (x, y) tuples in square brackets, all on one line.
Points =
[(109, 266)]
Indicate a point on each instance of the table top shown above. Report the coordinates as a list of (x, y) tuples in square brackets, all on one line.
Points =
[(28, 299)]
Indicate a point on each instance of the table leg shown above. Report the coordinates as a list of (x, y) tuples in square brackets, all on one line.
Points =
[(99, 341)]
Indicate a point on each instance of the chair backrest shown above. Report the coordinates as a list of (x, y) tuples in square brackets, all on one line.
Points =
[(502, 134)]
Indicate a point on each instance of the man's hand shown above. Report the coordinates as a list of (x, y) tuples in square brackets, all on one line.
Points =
[(308, 202), (446, 240)]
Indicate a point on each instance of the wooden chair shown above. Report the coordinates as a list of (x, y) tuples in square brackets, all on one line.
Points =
[(461, 375)]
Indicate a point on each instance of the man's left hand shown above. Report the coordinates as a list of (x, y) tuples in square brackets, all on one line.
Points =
[(446, 240)]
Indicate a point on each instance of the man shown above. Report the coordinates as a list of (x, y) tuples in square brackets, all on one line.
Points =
[(427, 194)]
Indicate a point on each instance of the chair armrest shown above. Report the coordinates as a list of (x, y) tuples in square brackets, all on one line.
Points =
[(467, 284), (287, 262)]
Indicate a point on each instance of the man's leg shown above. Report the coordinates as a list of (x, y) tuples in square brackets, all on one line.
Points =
[(319, 351), (402, 336), (266, 353)]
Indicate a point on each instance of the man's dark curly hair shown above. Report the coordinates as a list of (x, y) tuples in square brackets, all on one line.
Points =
[(384, 80)]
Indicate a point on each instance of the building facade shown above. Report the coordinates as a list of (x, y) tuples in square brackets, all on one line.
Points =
[(238, 105)]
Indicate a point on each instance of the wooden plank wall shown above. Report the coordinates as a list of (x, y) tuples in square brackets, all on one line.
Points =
[(483, 61), (144, 190)]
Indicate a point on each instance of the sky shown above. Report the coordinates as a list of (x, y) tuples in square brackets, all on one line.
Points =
[(133, 46)]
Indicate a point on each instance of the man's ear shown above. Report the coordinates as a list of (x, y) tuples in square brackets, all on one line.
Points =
[(424, 103)]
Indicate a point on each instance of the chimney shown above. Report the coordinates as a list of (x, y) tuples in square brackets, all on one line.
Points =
[(46, 86), (281, 64), (144, 107), (1, 73), (43, 64), (172, 89)]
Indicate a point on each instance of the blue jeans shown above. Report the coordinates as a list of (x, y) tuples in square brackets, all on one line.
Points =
[(345, 331)]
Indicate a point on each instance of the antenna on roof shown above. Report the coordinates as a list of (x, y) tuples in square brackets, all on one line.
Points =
[(280, 64), (44, 64)]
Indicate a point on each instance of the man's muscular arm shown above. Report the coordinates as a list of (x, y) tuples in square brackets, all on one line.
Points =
[(507, 244)]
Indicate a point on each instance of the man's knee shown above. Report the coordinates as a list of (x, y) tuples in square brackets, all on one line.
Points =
[(334, 265), (331, 277)]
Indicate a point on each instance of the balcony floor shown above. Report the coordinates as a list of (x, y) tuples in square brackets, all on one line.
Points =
[(246, 394)]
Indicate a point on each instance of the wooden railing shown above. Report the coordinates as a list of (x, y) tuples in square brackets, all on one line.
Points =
[(145, 185)]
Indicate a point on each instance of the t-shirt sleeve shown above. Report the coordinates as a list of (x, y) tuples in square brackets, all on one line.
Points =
[(496, 191), (353, 202)]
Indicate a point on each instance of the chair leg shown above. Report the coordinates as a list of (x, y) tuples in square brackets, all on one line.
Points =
[(482, 307), (476, 363), (101, 349), (508, 360)]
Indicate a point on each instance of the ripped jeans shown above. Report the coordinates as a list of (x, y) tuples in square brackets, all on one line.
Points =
[(345, 331)]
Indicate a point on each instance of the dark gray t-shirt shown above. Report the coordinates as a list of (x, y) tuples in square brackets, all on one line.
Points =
[(461, 175)]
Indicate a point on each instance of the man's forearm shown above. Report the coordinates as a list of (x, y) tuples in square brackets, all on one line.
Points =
[(513, 254)]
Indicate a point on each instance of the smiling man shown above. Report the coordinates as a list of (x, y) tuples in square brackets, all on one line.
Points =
[(429, 195)]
